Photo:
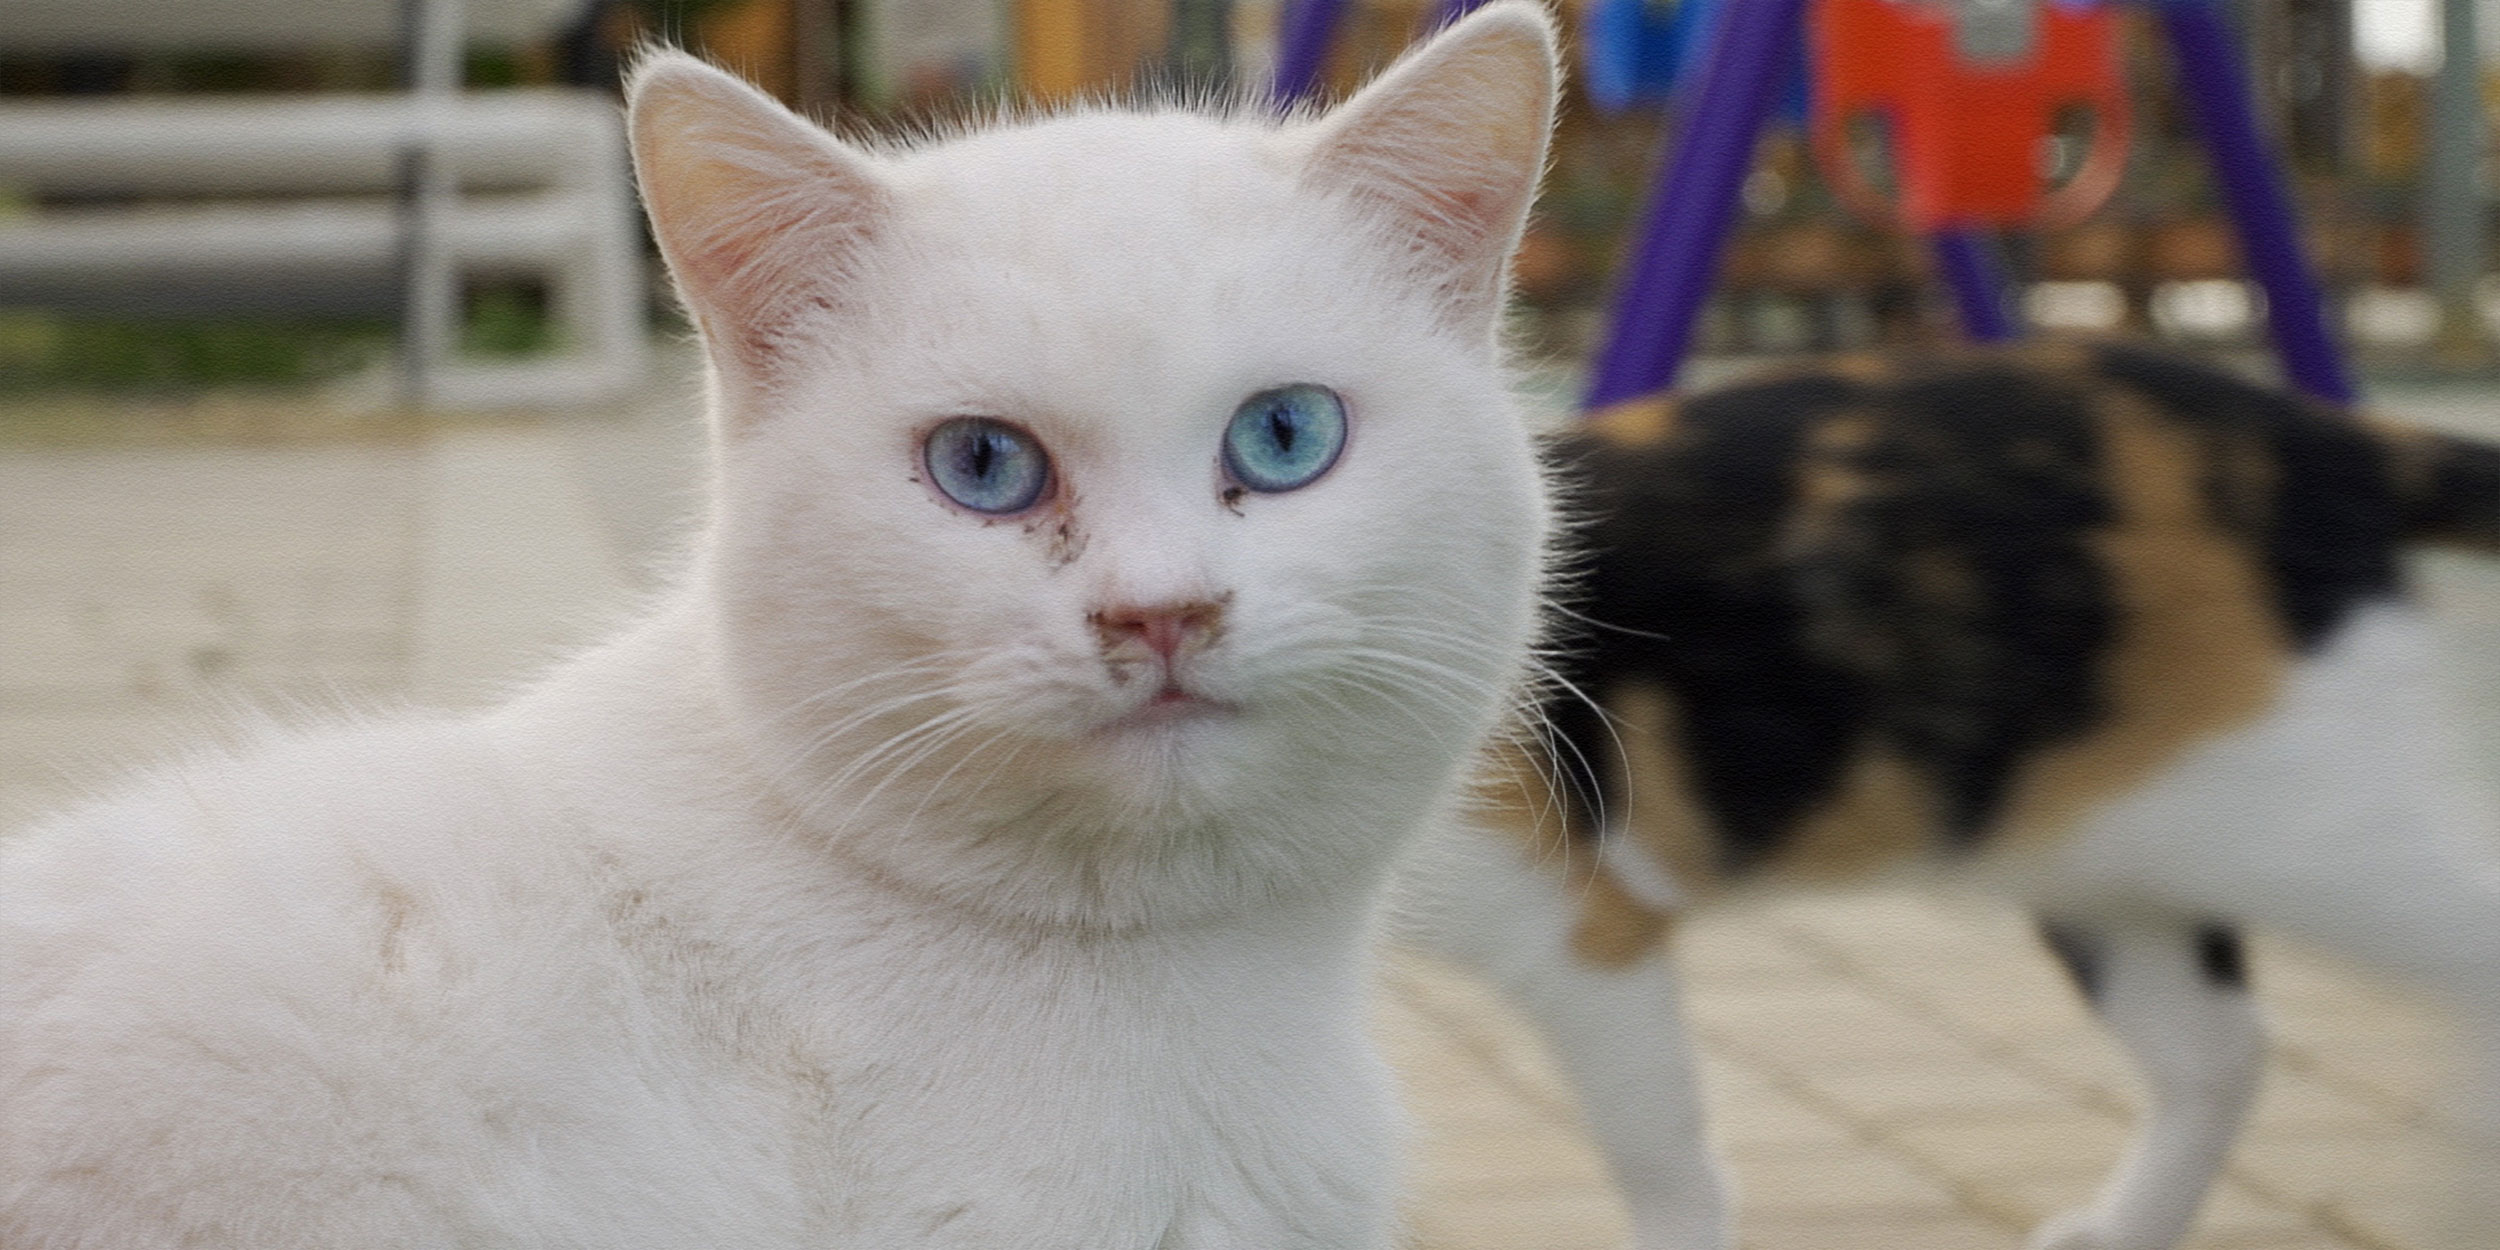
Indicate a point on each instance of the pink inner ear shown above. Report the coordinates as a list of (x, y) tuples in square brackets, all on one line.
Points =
[(1475, 208), (719, 246), (763, 253), (735, 265), (758, 212), (1456, 217), (1450, 144)]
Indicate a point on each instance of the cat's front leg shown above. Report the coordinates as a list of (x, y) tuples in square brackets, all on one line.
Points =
[(1619, 1034), (1611, 1013)]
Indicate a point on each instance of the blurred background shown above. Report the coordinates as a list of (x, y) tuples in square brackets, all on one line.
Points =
[(336, 373), (167, 245)]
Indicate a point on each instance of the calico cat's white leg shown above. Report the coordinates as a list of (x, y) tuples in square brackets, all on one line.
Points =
[(2347, 819), (1620, 1036), (1618, 1032), (2410, 896), (2175, 994)]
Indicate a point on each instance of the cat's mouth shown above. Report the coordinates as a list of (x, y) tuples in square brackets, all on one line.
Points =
[(1172, 704)]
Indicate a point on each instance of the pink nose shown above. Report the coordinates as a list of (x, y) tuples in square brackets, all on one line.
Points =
[(1164, 628)]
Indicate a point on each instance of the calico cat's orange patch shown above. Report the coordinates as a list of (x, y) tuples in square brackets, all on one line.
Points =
[(1903, 607), (1660, 809), (2071, 356), (2199, 648), (1522, 799), (1516, 793), (1615, 929), (1634, 423), (1661, 816), (1883, 812), (1871, 368)]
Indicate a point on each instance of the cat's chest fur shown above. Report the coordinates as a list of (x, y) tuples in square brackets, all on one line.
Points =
[(602, 1008), (924, 1078), (917, 1084)]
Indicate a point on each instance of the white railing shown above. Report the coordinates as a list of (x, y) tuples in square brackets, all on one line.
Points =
[(524, 179)]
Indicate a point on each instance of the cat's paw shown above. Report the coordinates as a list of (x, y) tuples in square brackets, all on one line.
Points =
[(2079, 1229)]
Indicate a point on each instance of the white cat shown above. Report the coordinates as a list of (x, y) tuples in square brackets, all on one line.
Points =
[(1121, 539)]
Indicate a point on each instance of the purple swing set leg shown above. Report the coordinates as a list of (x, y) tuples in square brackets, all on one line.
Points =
[(1310, 27), (2215, 81), (1967, 261), (1692, 208), (1692, 204)]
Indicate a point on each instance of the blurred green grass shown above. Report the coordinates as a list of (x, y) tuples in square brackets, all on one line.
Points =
[(44, 351), (47, 351)]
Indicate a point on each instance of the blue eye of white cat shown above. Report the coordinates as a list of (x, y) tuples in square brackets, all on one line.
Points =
[(1283, 439), (987, 466)]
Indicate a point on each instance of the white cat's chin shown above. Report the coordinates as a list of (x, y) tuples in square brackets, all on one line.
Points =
[(1172, 747)]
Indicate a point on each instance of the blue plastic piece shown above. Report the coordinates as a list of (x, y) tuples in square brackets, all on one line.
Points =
[(1641, 54), (1628, 53)]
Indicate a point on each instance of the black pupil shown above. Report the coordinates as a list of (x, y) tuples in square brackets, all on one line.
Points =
[(983, 450), (1281, 428)]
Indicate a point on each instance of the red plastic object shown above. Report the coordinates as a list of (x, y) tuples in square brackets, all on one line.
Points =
[(1968, 137)]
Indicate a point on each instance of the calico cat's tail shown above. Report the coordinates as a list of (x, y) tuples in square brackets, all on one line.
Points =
[(2449, 488), (2442, 489)]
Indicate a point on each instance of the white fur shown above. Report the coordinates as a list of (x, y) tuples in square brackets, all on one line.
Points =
[(843, 901), (1618, 1033), (2199, 1048), (2345, 817)]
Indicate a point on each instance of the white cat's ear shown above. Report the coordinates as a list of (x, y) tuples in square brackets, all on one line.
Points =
[(1450, 143), (759, 213)]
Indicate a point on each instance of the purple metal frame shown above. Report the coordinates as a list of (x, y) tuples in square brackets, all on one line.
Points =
[(1302, 48), (1693, 202), (1968, 262), (2215, 81)]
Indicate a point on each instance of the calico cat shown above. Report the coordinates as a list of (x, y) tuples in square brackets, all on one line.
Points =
[(1122, 537), (2119, 636)]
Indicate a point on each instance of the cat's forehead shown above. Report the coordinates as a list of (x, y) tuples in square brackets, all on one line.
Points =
[(1110, 191), (1101, 155), (1104, 254)]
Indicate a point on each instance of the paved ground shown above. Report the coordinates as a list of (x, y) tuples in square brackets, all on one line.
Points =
[(1886, 1072)]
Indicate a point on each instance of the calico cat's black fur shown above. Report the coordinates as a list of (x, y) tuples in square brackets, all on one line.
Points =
[(2114, 636), (1903, 552)]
